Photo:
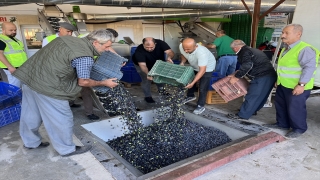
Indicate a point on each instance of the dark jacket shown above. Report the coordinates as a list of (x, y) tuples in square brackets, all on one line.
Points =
[(254, 63)]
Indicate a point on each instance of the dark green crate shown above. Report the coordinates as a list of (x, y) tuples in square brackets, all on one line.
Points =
[(176, 75)]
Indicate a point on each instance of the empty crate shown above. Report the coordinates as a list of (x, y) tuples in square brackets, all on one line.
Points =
[(176, 75), (215, 77), (214, 98), (10, 95), (10, 115), (130, 74), (230, 91)]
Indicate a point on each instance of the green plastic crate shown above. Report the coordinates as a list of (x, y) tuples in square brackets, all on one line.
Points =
[(176, 75)]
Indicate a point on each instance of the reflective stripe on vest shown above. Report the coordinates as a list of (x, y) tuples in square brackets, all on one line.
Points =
[(293, 75), (289, 70), (51, 37), (14, 52)]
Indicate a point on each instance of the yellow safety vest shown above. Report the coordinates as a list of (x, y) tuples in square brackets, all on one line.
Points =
[(289, 69), (51, 37), (14, 52)]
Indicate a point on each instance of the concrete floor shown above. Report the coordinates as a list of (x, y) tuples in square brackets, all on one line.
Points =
[(290, 160)]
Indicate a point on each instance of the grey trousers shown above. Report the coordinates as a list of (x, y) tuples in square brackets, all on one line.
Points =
[(56, 116), (146, 84), (87, 100), (12, 80)]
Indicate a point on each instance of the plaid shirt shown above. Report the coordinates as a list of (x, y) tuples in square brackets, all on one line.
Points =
[(83, 66)]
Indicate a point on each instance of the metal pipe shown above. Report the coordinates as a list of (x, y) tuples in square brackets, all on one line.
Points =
[(287, 6), (157, 15)]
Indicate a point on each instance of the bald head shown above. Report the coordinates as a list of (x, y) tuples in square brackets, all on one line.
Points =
[(189, 45), (149, 44), (9, 29)]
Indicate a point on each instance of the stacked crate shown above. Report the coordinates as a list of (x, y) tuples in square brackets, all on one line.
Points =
[(107, 66), (10, 99), (212, 96), (130, 74)]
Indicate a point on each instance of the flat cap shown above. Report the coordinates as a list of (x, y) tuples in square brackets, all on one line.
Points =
[(68, 26)]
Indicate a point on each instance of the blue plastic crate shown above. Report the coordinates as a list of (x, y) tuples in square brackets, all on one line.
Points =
[(176, 61), (10, 115), (213, 80), (215, 74), (130, 75), (107, 66), (10, 95), (132, 51)]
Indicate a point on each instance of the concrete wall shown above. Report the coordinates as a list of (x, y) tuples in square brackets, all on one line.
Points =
[(27, 19)]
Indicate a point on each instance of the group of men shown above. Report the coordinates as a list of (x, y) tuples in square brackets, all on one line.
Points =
[(294, 76), (199, 57), (61, 69)]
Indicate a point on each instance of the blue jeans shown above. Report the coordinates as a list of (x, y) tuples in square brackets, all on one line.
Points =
[(226, 65), (258, 93)]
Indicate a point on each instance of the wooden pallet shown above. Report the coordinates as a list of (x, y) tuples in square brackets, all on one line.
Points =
[(214, 98), (128, 85)]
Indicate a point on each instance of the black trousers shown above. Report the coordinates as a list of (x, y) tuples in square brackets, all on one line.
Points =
[(203, 88), (291, 109)]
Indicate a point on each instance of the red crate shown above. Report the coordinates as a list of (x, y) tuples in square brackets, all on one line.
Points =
[(230, 91)]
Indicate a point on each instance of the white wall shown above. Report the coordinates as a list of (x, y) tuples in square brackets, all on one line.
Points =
[(307, 14)]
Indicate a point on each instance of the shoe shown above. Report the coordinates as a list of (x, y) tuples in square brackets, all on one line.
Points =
[(188, 99), (199, 110), (235, 116), (75, 105), (149, 100), (93, 117), (41, 145), (292, 135), (79, 150), (275, 126)]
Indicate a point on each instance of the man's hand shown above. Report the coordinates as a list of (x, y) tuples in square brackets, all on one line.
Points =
[(189, 86), (297, 90), (169, 60), (123, 64), (11, 69), (275, 85), (233, 79), (111, 83), (150, 78)]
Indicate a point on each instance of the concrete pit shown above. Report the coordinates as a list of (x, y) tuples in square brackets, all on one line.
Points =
[(113, 128)]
